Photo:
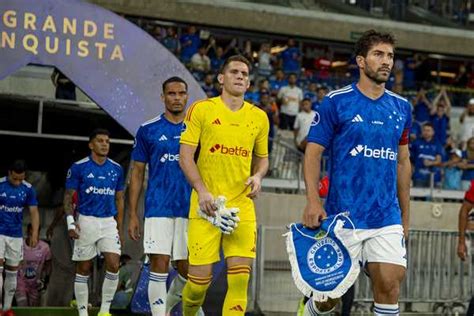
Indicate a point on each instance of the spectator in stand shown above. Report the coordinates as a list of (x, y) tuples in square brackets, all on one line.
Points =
[(290, 58), (323, 65), (440, 112), (467, 165), (171, 41), (218, 59), (248, 52), (253, 94), (279, 82), (209, 87), (312, 94), (398, 68), (271, 109), (265, 59), (303, 124), (462, 77), (467, 123), (422, 70), (322, 91), (415, 131), (427, 153), (409, 73), (264, 85), (290, 98), (190, 43), (232, 49), (422, 107), (158, 33), (200, 63), (452, 173)]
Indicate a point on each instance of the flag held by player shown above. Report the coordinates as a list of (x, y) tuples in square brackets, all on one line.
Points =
[(320, 261)]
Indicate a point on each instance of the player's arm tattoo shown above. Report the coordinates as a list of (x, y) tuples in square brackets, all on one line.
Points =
[(68, 205)]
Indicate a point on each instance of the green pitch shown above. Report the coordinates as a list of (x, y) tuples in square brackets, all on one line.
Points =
[(61, 311)]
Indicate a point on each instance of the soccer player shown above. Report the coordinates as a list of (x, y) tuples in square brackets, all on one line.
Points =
[(466, 207), (232, 136), (366, 127), (98, 181), (167, 197), (33, 272), (15, 195)]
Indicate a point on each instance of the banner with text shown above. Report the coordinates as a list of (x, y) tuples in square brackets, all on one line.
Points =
[(114, 62)]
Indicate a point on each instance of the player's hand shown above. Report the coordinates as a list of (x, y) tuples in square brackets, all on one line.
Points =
[(74, 233), (462, 250), (206, 203), (255, 183), (33, 240), (225, 219), (313, 214), (134, 228)]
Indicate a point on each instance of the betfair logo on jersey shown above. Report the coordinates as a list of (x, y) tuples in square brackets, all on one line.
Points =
[(376, 153), (169, 157), (11, 209), (100, 191), (231, 151)]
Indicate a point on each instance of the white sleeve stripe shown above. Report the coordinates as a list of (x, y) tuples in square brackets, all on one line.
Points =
[(342, 92), (83, 160)]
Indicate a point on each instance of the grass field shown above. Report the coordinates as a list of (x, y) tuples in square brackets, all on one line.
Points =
[(61, 311)]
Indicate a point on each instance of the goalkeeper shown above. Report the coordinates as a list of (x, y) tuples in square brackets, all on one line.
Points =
[(232, 136)]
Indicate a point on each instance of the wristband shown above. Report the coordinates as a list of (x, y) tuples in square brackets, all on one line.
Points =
[(70, 222)]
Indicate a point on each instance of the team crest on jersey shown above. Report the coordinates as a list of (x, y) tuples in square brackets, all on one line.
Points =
[(316, 119)]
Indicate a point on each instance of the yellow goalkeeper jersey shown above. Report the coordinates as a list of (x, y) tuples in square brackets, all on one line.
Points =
[(227, 140)]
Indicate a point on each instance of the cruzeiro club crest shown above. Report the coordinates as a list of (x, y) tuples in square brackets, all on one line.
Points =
[(325, 256)]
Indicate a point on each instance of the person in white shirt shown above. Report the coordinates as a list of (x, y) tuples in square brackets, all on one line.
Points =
[(303, 124), (290, 97), (200, 62)]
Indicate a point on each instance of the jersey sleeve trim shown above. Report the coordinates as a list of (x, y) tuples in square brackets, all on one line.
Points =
[(191, 109), (187, 142)]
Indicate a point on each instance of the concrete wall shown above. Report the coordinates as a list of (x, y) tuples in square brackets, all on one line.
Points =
[(295, 22)]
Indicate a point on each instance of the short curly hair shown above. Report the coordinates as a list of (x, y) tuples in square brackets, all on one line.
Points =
[(371, 38)]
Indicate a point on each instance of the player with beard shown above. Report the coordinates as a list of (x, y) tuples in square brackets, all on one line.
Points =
[(167, 197), (366, 128)]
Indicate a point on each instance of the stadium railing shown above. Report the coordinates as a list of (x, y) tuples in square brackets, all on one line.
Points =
[(435, 275)]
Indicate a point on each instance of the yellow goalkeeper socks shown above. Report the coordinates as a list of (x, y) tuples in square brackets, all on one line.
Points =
[(194, 293), (235, 302)]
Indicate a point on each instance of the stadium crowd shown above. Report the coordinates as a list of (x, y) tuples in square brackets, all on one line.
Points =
[(290, 86)]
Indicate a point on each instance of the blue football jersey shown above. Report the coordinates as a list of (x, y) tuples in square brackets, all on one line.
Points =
[(168, 191), (96, 186), (12, 201), (363, 136), (422, 150)]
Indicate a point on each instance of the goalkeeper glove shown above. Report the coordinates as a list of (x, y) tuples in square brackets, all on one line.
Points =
[(225, 219)]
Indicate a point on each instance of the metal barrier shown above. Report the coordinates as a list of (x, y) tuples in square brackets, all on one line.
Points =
[(285, 160), (435, 274)]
